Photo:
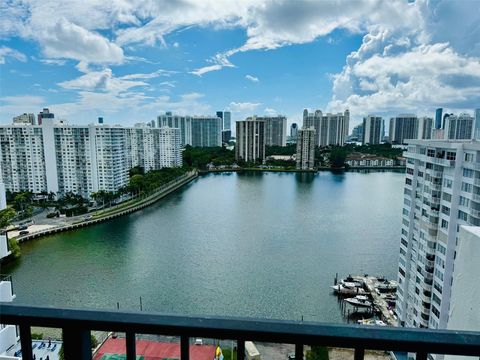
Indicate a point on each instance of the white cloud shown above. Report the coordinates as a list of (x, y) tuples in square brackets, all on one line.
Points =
[(252, 78), (53, 62), (176, 44), (6, 52), (67, 40), (103, 80), (270, 112), (243, 106), (14, 105), (206, 69)]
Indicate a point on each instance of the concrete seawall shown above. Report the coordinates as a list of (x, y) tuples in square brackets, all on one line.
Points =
[(114, 214)]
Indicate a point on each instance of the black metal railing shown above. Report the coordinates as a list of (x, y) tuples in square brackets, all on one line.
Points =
[(77, 324)]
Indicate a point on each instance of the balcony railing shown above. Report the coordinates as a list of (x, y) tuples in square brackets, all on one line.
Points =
[(77, 324)]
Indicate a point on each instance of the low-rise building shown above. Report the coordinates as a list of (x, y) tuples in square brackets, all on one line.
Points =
[(368, 160)]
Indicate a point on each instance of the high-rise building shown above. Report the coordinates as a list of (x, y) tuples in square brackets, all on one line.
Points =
[(357, 133), (275, 130), (330, 129), (477, 124), (60, 158), (425, 128), (293, 130), (226, 136), (206, 131), (373, 130), (459, 127), (438, 118), (250, 146), (227, 118), (306, 149), (184, 123), (441, 193), (24, 119), (403, 127), (44, 114)]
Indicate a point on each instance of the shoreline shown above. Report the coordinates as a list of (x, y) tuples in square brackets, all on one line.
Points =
[(143, 203), (324, 168)]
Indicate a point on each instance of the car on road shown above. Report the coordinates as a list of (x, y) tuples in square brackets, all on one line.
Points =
[(22, 227), (88, 217), (24, 232)]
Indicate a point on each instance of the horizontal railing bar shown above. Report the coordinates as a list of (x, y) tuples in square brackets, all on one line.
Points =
[(278, 331)]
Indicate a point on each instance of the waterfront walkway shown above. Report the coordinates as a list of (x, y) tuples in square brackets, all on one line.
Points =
[(113, 212)]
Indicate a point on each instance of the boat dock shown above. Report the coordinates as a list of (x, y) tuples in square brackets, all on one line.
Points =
[(371, 285)]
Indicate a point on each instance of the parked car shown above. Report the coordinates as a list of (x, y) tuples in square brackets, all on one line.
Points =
[(24, 232), (198, 341), (23, 227), (88, 217)]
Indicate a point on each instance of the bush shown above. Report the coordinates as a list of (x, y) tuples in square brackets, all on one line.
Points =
[(14, 248), (37, 336), (318, 353)]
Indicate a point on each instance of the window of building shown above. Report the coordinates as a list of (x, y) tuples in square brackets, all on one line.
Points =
[(447, 197), (463, 201), (447, 183), (468, 157), (451, 155), (466, 187), (444, 224), (462, 215), (468, 173), (431, 153), (445, 210)]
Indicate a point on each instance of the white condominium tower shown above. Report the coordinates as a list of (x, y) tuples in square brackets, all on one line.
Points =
[(330, 129), (403, 127), (206, 131), (373, 130), (197, 131), (275, 130), (306, 149), (184, 123), (442, 192), (250, 145), (61, 158), (459, 127)]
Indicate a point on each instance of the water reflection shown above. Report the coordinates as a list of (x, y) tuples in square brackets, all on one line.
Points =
[(304, 178)]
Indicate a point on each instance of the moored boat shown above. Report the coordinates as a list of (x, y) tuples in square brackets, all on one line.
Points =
[(359, 301), (348, 289)]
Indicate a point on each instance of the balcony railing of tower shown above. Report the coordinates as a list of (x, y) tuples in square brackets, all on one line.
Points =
[(77, 324)]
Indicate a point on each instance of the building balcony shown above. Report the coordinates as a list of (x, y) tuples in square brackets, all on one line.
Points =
[(475, 213), (77, 324)]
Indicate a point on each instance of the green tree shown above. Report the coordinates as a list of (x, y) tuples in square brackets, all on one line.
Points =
[(337, 157), (6, 217), (136, 183)]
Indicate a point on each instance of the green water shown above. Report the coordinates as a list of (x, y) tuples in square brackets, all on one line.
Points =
[(256, 244)]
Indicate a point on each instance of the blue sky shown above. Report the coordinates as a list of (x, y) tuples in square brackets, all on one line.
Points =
[(129, 61)]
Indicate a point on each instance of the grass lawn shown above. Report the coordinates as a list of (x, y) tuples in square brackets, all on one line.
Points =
[(227, 354)]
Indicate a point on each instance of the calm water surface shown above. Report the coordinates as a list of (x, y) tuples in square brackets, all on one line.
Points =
[(262, 245)]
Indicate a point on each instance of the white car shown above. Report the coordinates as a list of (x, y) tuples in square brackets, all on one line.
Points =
[(198, 341)]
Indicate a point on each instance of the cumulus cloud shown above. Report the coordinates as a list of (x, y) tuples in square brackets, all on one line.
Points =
[(252, 78), (15, 105), (6, 52), (242, 106)]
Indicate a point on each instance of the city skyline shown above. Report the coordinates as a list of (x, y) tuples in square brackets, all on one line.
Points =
[(131, 63)]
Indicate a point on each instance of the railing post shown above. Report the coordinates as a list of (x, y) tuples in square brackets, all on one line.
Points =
[(299, 352), (240, 349), (359, 353), (26, 342), (77, 344), (184, 347), (131, 346)]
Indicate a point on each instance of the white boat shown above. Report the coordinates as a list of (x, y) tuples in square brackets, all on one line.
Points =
[(359, 301), (351, 280), (348, 289), (371, 322), (387, 286)]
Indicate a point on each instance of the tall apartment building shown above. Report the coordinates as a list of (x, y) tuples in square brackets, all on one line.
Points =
[(44, 114), (403, 127), (293, 130), (306, 149), (442, 192), (202, 131), (459, 127), (61, 158), (275, 130), (373, 130), (330, 129), (357, 133), (476, 134), (438, 118), (425, 128), (184, 123), (250, 146), (24, 119), (206, 131), (227, 120)]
